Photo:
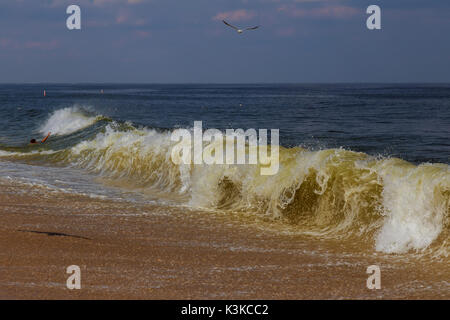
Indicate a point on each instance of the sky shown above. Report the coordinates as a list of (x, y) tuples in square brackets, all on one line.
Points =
[(185, 41)]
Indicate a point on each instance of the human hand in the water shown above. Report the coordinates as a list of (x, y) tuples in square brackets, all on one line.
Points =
[(45, 139)]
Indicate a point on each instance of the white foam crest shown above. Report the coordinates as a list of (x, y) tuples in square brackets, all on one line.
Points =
[(25, 154), (66, 121), (414, 205), (5, 153), (141, 155)]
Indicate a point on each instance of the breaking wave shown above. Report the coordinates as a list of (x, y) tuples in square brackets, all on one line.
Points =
[(394, 205), (68, 120)]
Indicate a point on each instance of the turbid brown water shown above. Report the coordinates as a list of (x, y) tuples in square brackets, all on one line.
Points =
[(137, 251)]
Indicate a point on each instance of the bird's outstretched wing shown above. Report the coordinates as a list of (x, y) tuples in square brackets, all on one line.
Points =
[(230, 25), (252, 28)]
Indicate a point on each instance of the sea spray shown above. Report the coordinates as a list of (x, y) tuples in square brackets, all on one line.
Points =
[(68, 120)]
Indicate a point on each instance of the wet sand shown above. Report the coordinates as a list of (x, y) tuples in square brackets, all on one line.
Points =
[(133, 251)]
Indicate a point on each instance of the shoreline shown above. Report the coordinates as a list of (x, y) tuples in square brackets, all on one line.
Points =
[(135, 251)]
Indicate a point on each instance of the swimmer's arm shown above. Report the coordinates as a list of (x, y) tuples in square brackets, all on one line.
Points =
[(45, 139)]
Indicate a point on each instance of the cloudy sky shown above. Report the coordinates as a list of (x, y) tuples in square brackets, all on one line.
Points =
[(179, 41)]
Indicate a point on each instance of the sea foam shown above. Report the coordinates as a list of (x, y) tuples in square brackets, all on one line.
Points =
[(68, 120)]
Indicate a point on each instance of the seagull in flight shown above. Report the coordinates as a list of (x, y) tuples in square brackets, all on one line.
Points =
[(239, 30)]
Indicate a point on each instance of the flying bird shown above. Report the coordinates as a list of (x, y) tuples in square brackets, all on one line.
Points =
[(239, 30)]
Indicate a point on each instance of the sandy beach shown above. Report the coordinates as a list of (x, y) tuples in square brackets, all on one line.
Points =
[(129, 251)]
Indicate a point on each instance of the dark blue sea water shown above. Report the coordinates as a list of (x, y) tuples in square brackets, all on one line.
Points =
[(411, 122)]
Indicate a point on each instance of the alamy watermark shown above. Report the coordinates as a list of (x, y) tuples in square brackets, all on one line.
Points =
[(74, 280), (374, 280), (73, 22), (236, 146), (374, 20)]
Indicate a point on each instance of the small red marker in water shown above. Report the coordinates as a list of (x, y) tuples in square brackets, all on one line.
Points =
[(45, 93)]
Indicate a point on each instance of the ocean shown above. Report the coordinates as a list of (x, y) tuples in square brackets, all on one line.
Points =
[(368, 162)]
